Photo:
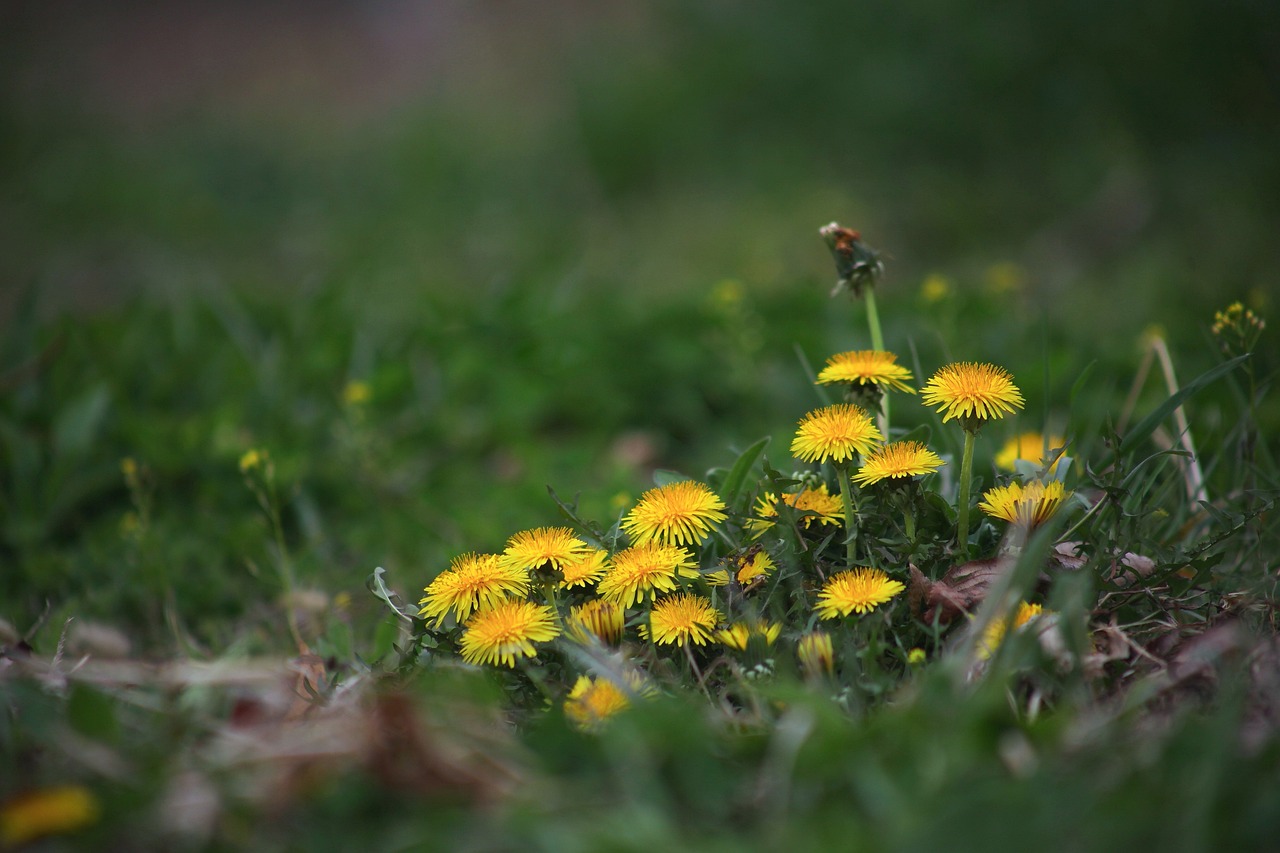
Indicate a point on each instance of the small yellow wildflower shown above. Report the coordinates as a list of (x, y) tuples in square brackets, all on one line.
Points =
[(859, 590), (739, 634), (48, 811), (675, 514), (644, 569), (818, 505), (356, 393), (543, 548), (749, 566), (973, 392), (866, 367), (506, 632), (682, 618), (837, 433), (1027, 505), (252, 459), (899, 461), (472, 582), (996, 629), (597, 619), (1029, 446), (817, 658)]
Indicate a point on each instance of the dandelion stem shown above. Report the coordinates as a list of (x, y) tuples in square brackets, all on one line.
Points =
[(877, 343), (962, 500), (846, 496)]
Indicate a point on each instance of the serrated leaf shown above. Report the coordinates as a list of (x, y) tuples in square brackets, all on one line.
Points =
[(380, 589)]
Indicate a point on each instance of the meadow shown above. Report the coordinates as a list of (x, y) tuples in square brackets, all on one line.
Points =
[(299, 388)]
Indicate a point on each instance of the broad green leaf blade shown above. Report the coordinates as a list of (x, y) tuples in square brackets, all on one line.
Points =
[(741, 468), (1148, 424)]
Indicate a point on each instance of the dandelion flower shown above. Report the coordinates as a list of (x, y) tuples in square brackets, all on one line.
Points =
[(644, 569), (472, 582), (543, 548), (47, 811), (897, 461), (818, 505), (972, 392), (996, 629), (675, 514), (584, 569), (1027, 505), (506, 632), (816, 655), (1029, 446), (859, 591), (598, 619), (739, 634), (682, 618), (866, 367), (837, 433), (594, 700), (749, 566)]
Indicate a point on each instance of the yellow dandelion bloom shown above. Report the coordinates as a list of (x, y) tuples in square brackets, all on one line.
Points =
[(543, 548), (818, 505), (44, 812), (816, 654), (972, 392), (252, 459), (859, 591), (897, 461), (598, 619), (644, 569), (916, 657), (935, 288), (866, 367), (739, 634), (584, 569), (1028, 505), (682, 618), (1029, 446), (749, 566), (506, 632), (472, 582), (675, 514), (593, 701), (356, 393), (996, 629), (837, 433)]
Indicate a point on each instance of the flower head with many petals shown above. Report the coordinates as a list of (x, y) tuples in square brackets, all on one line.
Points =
[(997, 628), (682, 619), (472, 582), (594, 700), (740, 634), (974, 393), (543, 548), (858, 591), (900, 460), (506, 632), (837, 433), (866, 367), (597, 620), (1026, 505), (680, 513), (584, 569), (644, 569), (749, 566), (817, 657)]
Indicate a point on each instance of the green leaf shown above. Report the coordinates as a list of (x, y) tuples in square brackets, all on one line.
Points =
[(663, 477), (1078, 385), (77, 425), (380, 589), (92, 713), (1148, 424), (741, 468)]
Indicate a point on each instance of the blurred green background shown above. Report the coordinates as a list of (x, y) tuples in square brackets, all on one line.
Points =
[(561, 244)]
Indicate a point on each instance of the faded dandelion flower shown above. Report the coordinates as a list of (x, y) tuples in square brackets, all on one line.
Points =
[(974, 393), (837, 433), (506, 632), (859, 590), (472, 582), (900, 460), (675, 514)]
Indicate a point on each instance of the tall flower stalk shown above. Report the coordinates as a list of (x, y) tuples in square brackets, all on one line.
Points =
[(973, 393)]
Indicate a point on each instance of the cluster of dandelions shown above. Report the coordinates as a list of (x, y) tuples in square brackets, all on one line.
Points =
[(690, 589), (684, 581)]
